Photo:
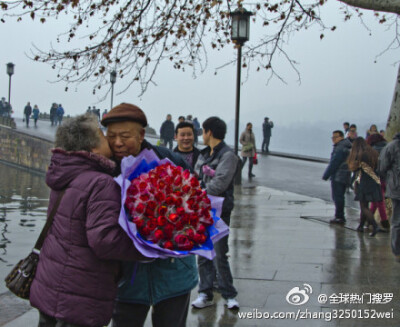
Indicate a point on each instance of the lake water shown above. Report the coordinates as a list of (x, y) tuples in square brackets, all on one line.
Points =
[(23, 210)]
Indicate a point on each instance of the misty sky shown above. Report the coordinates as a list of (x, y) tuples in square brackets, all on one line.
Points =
[(339, 79)]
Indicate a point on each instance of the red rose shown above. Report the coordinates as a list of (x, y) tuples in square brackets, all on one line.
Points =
[(145, 231), (189, 233), (145, 197), (187, 246), (162, 210), (142, 186), (186, 189), (186, 174), (161, 185), (161, 220), (159, 196), (152, 205), (180, 239), (158, 235), (178, 181), (178, 202), (168, 245), (140, 222), (179, 225), (194, 182), (133, 190), (140, 208), (201, 229), (170, 200), (180, 210), (199, 238), (173, 217), (151, 224)]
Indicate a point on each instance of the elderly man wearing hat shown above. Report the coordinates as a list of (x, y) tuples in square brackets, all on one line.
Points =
[(164, 284)]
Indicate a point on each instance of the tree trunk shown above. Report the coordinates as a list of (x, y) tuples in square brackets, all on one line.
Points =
[(393, 123), (392, 6)]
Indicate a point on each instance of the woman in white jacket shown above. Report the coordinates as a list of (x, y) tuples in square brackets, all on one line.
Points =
[(248, 142)]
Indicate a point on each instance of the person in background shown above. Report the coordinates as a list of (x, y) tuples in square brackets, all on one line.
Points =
[(389, 167), (267, 133), (197, 130), (27, 113), (363, 160), (353, 128), (53, 114), (184, 136), (372, 130), (181, 119), (382, 132), (35, 115), (351, 135), (378, 143), (5, 108), (339, 174), (60, 114), (248, 142), (163, 284), (216, 167), (167, 131), (346, 127), (76, 279)]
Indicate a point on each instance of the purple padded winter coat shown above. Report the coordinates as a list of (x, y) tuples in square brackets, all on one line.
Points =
[(76, 279)]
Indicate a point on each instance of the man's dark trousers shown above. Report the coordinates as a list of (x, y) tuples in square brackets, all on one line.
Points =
[(338, 191)]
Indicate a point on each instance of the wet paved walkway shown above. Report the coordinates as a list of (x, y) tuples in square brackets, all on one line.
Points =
[(350, 279)]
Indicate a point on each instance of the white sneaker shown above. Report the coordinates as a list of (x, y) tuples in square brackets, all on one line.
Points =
[(202, 301), (232, 304)]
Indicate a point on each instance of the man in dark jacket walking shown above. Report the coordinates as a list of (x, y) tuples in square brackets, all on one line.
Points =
[(27, 113), (217, 166), (339, 174), (389, 167), (167, 131), (164, 284)]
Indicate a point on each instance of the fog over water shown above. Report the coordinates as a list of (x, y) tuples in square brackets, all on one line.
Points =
[(342, 78)]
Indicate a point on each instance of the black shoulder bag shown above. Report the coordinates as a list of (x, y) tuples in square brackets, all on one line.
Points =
[(19, 280)]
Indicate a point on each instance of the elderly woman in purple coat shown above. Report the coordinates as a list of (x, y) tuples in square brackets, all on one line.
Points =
[(77, 275)]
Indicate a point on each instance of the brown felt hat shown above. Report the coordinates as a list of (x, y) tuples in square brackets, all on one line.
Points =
[(125, 112)]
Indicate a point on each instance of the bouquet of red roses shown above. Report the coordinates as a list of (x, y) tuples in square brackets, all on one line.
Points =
[(165, 211)]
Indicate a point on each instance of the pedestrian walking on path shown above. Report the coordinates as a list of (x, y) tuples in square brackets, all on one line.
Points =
[(60, 114), (27, 113), (363, 160), (248, 142), (35, 113)]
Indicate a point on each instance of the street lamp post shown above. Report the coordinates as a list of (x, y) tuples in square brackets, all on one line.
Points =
[(113, 79), (240, 29), (10, 72)]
